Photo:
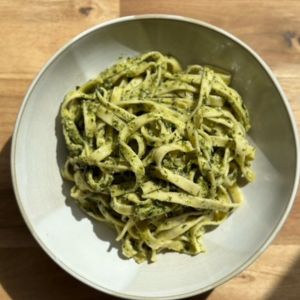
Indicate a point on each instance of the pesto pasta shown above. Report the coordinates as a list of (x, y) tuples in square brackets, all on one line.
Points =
[(157, 152)]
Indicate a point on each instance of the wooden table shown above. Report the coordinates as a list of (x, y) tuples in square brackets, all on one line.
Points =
[(32, 31)]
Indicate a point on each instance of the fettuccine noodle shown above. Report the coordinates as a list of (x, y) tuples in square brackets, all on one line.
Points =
[(157, 152)]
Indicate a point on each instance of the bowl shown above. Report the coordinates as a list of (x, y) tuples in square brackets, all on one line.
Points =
[(87, 249)]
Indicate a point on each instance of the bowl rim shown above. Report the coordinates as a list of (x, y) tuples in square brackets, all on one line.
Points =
[(169, 17)]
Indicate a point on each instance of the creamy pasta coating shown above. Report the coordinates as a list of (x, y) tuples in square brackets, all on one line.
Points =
[(157, 151)]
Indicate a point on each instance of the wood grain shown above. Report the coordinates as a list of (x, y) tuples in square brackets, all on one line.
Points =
[(31, 31)]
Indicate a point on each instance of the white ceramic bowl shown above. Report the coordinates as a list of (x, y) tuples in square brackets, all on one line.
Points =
[(86, 249)]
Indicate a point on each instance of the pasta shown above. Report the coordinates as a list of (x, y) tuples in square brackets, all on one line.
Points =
[(157, 152)]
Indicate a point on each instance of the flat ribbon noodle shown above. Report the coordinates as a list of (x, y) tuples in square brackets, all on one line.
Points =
[(157, 151)]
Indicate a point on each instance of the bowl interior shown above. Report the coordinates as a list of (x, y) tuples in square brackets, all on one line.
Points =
[(87, 249)]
